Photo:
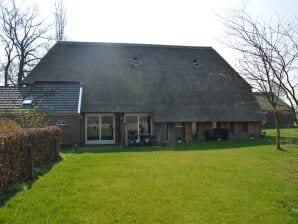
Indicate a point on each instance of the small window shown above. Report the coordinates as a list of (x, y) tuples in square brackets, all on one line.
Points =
[(214, 124), (61, 123), (135, 60), (179, 124), (196, 63), (28, 101)]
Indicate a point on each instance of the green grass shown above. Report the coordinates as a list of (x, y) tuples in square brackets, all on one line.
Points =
[(245, 181), (285, 132)]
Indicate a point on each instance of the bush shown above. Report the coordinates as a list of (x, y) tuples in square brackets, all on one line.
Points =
[(32, 118), (7, 125), (23, 149)]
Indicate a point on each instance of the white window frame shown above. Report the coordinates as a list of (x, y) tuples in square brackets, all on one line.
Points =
[(99, 142), (61, 123)]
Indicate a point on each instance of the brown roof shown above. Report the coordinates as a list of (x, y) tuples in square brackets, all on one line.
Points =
[(266, 106), (175, 83)]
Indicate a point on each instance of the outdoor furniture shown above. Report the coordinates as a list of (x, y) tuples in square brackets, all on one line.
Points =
[(217, 133), (143, 139)]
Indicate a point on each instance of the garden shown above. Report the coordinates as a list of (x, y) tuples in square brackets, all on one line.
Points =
[(236, 181)]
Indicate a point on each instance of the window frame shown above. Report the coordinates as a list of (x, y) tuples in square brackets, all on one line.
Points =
[(179, 125), (138, 122), (61, 123), (100, 141)]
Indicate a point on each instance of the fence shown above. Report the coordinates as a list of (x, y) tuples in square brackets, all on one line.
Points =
[(22, 150)]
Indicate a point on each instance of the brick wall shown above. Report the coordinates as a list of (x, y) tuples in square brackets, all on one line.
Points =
[(71, 131)]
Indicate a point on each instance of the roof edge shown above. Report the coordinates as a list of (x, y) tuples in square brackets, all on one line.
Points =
[(131, 44)]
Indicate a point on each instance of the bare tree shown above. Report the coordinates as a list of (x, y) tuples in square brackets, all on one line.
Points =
[(268, 52), (6, 33), (60, 20), (287, 59), (24, 35)]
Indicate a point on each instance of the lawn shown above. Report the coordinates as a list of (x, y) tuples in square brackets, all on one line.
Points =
[(245, 181), (285, 132)]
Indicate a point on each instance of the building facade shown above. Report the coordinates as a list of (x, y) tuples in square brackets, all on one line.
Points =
[(127, 91)]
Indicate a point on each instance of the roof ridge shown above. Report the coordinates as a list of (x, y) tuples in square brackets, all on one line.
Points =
[(132, 44)]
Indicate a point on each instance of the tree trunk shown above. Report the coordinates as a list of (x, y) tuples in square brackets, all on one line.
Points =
[(21, 72), (6, 72), (295, 117), (277, 128), (8, 51), (6, 76)]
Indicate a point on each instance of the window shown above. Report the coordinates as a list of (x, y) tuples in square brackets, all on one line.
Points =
[(93, 128), (144, 125), (214, 125), (179, 125), (232, 127), (100, 129), (132, 126), (138, 125), (196, 63), (28, 101), (106, 128), (245, 127), (61, 123), (135, 60)]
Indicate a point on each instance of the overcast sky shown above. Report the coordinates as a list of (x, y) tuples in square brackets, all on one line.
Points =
[(184, 22)]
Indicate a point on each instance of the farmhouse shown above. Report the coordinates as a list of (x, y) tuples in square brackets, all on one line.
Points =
[(112, 93), (284, 112)]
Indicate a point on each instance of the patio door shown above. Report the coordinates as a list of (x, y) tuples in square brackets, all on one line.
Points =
[(137, 125), (100, 129)]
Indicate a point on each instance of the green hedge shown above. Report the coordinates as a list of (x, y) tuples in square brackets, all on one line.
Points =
[(23, 149)]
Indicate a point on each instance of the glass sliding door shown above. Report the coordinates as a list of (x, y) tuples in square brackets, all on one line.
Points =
[(100, 129), (93, 128), (132, 129), (137, 125), (144, 124), (107, 130)]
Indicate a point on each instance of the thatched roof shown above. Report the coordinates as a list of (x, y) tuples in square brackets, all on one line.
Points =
[(49, 97), (175, 83), (266, 106)]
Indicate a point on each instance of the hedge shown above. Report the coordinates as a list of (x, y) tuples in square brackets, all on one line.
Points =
[(22, 150)]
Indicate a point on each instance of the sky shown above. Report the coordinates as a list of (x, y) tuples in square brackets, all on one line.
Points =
[(168, 22), (171, 22)]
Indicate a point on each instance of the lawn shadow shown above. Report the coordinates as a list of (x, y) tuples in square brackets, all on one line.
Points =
[(202, 145), (12, 189)]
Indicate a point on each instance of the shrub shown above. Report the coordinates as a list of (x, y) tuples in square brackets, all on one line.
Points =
[(7, 125), (23, 149), (32, 118)]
